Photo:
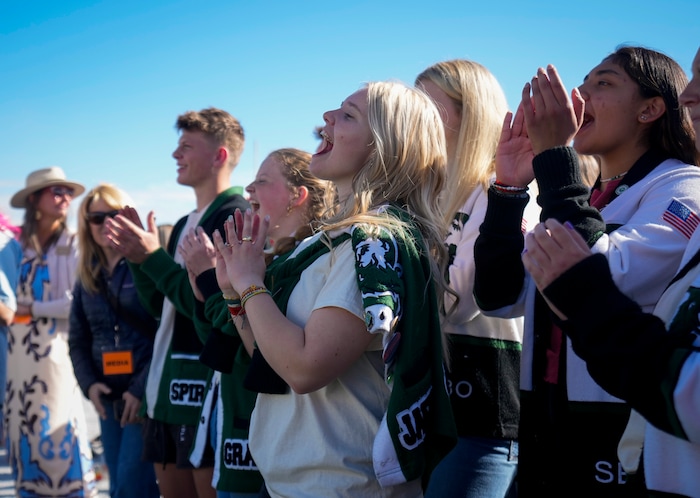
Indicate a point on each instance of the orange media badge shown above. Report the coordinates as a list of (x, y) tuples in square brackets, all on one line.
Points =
[(117, 362)]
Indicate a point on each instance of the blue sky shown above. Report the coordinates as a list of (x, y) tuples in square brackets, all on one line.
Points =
[(95, 87)]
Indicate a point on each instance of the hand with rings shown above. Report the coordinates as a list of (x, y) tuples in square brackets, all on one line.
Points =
[(243, 264)]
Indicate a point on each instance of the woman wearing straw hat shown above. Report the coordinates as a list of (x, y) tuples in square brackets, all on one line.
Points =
[(48, 447)]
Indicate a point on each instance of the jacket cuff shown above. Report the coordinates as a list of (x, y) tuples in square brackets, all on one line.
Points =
[(207, 283), (556, 168), (504, 212)]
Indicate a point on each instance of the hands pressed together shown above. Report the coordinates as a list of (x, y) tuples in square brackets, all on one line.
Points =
[(240, 257), (545, 118)]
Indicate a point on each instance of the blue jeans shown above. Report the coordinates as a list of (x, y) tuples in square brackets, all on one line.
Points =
[(129, 476), (476, 467)]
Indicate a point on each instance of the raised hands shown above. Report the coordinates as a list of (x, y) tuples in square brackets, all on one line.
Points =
[(514, 152), (128, 236), (552, 119), (242, 253), (199, 255), (551, 249)]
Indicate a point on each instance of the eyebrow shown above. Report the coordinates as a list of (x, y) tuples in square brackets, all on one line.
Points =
[(603, 72), (350, 104)]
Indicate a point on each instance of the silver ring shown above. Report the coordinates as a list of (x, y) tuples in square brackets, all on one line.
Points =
[(227, 244)]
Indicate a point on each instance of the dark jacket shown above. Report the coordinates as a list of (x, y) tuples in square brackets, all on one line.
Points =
[(97, 326)]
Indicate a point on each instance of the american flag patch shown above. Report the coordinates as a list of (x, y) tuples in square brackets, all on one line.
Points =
[(681, 217)]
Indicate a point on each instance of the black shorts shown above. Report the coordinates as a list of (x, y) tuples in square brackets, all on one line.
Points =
[(166, 443)]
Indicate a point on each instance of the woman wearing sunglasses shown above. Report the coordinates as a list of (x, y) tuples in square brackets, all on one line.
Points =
[(111, 344), (47, 439)]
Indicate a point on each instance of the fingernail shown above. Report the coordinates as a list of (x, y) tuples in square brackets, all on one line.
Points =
[(568, 225), (230, 217), (524, 251), (267, 218), (248, 211)]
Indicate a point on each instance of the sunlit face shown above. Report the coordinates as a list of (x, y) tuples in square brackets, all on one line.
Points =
[(612, 111), (270, 195), (99, 206), (195, 155), (690, 98), (346, 146), (54, 201), (450, 113)]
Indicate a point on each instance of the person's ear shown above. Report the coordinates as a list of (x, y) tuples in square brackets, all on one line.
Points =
[(221, 157), (300, 196), (652, 110)]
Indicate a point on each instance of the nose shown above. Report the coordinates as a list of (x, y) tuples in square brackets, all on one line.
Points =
[(328, 117), (691, 95), (176, 153), (250, 189), (583, 90)]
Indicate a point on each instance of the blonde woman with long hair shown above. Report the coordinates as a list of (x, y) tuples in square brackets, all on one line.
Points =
[(111, 344), (366, 412), (484, 351)]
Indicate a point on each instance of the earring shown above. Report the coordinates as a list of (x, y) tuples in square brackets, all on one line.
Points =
[(37, 215), (289, 208), (643, 117)]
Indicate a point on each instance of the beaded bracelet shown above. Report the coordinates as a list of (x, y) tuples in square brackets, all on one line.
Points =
[(251, 291), (236, 311), (508, 188), (234, 297)]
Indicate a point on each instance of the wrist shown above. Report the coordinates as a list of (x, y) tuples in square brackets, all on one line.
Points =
[(252, 291), (239, 290), (507, 189)]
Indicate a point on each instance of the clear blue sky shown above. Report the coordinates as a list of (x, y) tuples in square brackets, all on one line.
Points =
[(95, 87)]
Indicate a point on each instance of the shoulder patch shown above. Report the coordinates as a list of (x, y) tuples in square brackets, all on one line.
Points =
[(681, 218)]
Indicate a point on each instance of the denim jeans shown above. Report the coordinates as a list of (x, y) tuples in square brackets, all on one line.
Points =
[(129, 476), (476, 467)]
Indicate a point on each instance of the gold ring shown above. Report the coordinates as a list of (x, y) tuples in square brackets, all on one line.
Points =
[(247, 239)]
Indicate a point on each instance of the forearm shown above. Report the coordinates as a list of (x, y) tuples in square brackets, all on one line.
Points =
[(563, 195), (499, 273), (149, 296), (628, 352), (55, 308), (171, 280)]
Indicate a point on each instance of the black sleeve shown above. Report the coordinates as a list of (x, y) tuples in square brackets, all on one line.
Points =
[(563, 195), (499, 272), (628, 352), (80, 343)]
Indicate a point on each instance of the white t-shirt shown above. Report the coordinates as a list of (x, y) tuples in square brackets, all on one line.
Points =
[(320, 444)]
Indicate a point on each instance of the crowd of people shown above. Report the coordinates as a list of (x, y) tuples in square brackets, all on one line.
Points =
[(446, 299)]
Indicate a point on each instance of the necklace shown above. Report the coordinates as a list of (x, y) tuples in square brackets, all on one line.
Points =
[(613, 178)]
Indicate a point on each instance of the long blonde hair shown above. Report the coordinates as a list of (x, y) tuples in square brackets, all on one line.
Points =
[(482, 105), (91, 258), (407, 167)]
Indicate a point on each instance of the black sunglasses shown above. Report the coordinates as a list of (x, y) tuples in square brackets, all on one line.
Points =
[(98, 217), (60, 191)]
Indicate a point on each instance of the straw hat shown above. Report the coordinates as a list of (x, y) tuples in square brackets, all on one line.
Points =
[(42, 178)]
